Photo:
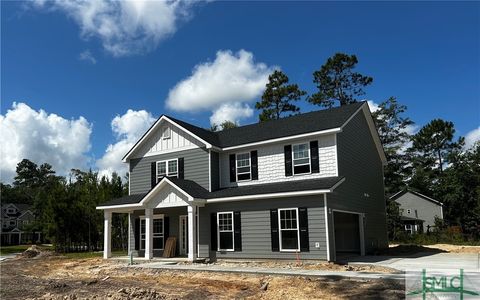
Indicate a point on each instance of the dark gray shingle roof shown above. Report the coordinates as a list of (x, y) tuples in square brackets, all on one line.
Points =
[(195, 190)]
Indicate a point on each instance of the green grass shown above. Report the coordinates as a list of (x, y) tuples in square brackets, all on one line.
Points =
[(4, 250), (81, 255)]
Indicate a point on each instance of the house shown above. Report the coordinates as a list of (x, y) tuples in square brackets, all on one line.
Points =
[(15, 220), (307, 186), (417, 211)]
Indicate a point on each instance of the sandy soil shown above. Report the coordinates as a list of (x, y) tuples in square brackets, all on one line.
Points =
[(395, 249), (53, 277), (455, 248)]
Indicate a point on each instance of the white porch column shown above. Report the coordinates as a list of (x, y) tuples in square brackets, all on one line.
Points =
[(148, 233), (131, 233), (107, 235), (192, 233)]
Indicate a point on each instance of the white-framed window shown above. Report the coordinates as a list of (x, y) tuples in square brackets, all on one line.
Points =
[(244, 166), (167, 168), (166, 133), (225, 231), (289, 234), (157, 232), (409, 211), (301, 158), (11, 210)]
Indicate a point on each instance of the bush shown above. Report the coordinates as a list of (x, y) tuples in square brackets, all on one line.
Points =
[(438, 236)]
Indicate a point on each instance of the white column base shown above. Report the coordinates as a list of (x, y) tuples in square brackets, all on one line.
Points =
[(192, 233)]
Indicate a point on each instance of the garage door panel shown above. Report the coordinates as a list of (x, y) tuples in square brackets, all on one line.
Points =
[(347, 232)]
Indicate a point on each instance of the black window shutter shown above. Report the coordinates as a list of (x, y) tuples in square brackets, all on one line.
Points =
[(181, 171), (254, 160), (303, 222), (153, 175), (237, 230), (314, 157), (288, 160), (137, 233), (274, 229), (213, 231), (233, 171), (166, 228)]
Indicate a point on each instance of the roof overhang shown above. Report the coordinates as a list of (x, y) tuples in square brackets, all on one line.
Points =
[(152, 129)]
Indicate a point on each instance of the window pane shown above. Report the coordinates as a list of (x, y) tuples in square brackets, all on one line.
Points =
[(162, 168), (157, 226), (172, 167), (225, 222), (243, 160), (158, 243), (243, 170), (142, 244), (289, 239), (300, 151), (301, 161), (245, 176), (301, 169), (226, 240)]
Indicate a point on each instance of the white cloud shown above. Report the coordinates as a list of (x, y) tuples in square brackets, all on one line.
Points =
[(42, 138), (232, 78), (231, 112), (124, 27), (128, 128), (472, 137), (373, 106), (87, 56)]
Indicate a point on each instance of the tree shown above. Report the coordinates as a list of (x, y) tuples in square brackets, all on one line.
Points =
[(336, 81), (392, 128), (225, 125), (434, 143), (278, 96)]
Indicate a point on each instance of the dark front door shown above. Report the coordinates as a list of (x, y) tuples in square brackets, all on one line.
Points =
[(347, 232)]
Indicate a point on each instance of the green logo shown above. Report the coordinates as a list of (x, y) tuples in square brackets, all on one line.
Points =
[(434, 285)]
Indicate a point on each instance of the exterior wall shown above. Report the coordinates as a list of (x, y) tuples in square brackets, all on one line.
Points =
[(271, 162), (256, 232), (215, 170), (363, 189), (425, 210), (168, 196), (195, 164), (178, 141)]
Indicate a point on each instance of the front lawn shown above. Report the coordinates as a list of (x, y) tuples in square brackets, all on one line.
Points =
[(5, 250)]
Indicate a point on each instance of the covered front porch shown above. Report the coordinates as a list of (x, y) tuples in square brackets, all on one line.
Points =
[(164, 212)]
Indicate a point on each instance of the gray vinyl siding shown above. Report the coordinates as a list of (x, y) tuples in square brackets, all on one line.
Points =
[(363, 189), (195, 163), (215, 170), (256, 232), (425, 210), (173, 215)]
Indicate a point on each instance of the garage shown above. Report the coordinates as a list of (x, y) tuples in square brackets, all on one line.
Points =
[(347, 232)]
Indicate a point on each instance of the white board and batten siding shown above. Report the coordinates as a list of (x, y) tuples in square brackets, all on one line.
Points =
[(168, 197), (271, 162)]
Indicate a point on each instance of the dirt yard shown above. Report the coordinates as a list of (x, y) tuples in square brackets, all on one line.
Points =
[(52, 277)]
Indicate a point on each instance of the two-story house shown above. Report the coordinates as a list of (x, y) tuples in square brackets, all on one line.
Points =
[(309, 185), (16, 219), (418, 212)]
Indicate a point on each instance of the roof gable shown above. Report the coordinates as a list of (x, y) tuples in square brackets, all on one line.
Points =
[(421, 196)]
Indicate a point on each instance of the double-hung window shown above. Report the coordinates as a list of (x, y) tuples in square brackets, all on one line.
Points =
[(301, 158), (289, 234), (167, 168), (166, 133), (244, 166), (157, 233), (225, 231)]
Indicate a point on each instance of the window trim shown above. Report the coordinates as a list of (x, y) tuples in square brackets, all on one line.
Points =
[(166, 129), (167, 174), (232, 231), (155, 217), (309, 160), (280, 230), (249, 165)]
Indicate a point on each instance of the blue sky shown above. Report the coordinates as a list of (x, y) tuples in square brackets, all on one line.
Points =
[(426, 54)]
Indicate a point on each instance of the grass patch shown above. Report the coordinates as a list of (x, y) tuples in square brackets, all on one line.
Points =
[(5, 250), (81, 255)]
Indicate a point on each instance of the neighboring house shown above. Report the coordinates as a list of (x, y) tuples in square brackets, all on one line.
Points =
[(417, 211), (307, 186), (15, 220)]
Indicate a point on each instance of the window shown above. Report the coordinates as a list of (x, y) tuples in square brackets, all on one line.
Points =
[(157, 232), (244, 170), (166, 133), (288, 225), (10, 210), (12, 223), (409, 211), (301, 158), (225, 231), (167, 168)]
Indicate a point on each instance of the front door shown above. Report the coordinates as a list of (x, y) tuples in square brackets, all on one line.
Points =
[(183, 234)]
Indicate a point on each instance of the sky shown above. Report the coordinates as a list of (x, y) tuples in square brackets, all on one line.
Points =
[(82, 81)]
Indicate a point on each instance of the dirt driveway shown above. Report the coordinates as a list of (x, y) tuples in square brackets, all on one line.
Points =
[(52, 277)]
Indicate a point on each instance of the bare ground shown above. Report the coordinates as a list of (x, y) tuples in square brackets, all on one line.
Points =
[(54, 277)]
